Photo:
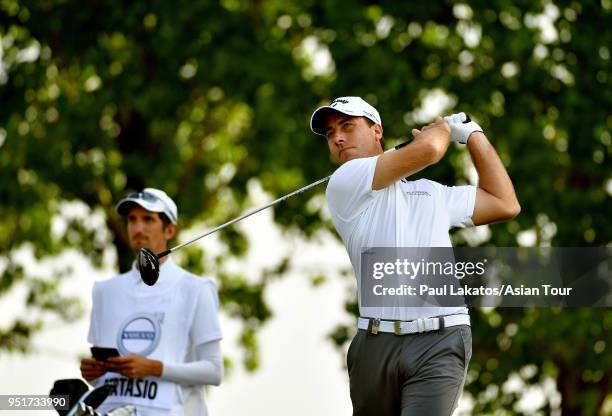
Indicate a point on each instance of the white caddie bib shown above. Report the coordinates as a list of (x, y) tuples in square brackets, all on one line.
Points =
[(140, 334), (139, 326)]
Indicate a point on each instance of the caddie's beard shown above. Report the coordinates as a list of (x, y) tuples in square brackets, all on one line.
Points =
[(138, 241)]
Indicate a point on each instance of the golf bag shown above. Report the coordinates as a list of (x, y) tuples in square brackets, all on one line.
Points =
[(85, 400)]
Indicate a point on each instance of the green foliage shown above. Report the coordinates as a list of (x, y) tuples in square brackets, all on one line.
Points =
[(568, 346), (202, 98)]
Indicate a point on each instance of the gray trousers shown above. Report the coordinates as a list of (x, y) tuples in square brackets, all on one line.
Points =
[(408, 375)]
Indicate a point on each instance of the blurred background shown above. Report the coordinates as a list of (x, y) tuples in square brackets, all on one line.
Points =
[(210, 101)]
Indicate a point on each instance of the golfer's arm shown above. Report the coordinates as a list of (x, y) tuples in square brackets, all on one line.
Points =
[(495, 196), (406, 161)]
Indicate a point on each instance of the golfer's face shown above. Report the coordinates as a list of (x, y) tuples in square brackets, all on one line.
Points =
[(147, 230), (350, 137)]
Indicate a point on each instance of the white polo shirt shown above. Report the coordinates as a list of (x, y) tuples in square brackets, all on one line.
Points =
[(405, 214), (162, 322)]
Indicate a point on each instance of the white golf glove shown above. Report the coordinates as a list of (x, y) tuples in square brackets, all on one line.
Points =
[(461, 127)]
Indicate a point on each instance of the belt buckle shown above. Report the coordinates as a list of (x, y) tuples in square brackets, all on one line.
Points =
[(373, 325), (420, 325), (397, 327), (430, 324)]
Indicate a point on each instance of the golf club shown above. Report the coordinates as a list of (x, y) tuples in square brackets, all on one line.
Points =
[(148, 261)]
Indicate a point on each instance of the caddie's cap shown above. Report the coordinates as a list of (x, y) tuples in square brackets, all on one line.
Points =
[(351, 106), (151, 199)]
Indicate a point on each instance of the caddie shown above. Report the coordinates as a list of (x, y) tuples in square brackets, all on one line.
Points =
[(167, 335)]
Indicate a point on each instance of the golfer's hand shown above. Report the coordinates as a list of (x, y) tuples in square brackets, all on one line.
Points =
[(91, 368), (437, 133), (135, 366), (461, 128)]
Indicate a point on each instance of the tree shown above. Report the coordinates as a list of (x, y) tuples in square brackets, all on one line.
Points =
[(203, 98)]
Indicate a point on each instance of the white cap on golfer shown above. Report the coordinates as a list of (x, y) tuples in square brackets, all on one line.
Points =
[(351, 106), (151, 199)]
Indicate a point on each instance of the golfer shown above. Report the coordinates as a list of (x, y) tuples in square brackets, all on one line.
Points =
[(406, 360), (168, 335)]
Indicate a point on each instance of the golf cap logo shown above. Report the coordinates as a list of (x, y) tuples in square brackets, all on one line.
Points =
[(337, 101), (139, 334)]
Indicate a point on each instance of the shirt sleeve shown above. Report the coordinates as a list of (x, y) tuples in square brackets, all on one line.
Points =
[(207, 369), (92, 336), (206, 325), (349, 191), (460, 201)]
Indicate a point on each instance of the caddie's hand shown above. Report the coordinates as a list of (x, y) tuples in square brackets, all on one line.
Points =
[(461, 127), (135, 366), (91, 368)]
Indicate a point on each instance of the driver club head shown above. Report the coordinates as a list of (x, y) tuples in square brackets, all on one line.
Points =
[(148, 265)]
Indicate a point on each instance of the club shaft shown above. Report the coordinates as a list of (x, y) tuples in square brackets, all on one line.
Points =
[(248, 214), (255, 211)]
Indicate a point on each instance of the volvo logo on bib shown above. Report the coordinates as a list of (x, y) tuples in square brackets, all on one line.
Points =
[(140, 334)]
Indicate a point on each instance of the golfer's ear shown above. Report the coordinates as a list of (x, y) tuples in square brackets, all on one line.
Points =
[(378, 131), (170, 231)]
